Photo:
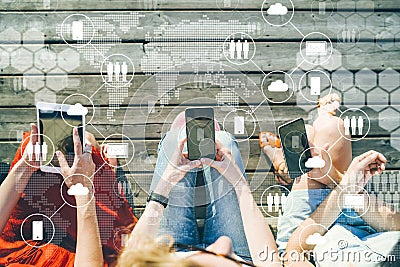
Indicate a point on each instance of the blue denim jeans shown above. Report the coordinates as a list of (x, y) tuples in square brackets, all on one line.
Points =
[(223, 217)]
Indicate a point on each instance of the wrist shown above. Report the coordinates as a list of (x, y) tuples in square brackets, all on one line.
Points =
[(242, 187), (163, 188), (85, 203), (23, 169)]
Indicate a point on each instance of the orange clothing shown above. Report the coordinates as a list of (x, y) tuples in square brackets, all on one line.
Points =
[(42, 195)]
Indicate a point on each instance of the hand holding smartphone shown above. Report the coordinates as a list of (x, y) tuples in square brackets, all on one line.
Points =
[(200, 132), (295, 146), (55, 124)]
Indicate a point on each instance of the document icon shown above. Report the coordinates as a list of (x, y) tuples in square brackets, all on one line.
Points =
[(354, 201), (315, 85), (77, 30), (316, 48), (151, 106), (124, 240), (37, 230), (239, 125), (295, 141), (200, 134), (117, 151)]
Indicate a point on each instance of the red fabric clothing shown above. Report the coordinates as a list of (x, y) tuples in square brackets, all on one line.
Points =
[(42, 195)]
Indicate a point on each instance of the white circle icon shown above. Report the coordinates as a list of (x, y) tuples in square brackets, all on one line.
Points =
[(277, 13), (117, 70), (357, 124), (77, 30), (316, 48), (239, 48)]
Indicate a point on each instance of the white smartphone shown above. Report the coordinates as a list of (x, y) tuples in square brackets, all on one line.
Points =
[(77, 30), (37, 230), (315, 86), (55, 124), (239, 125)]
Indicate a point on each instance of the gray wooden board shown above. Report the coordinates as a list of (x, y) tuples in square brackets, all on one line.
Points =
[(268, 57), (368, 23), (253, 159), (77, 5), (91, 86), (136, 121)]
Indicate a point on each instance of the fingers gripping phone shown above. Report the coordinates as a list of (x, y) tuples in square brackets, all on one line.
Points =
[(55, 123), (295, 147), (200, 132)]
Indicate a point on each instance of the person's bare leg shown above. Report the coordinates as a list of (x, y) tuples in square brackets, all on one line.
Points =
[(325, 129), (328, 128)]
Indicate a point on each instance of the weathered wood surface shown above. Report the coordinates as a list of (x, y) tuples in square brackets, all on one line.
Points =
[(89, 86), (277, 49), (147, 132), (154, 126), (369, 24), (268, 57), (180, 4)]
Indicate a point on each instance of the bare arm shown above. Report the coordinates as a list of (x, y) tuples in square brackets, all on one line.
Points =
[(88, 245), (258, 234), (381, 215), (327, 212), (17, 178), (149, 222)]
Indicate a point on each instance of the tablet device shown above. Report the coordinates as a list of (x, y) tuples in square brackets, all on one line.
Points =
[(55, 125)]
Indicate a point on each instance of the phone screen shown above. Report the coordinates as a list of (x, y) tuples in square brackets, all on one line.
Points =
[(200, 132), (295, 147), (55, 126)]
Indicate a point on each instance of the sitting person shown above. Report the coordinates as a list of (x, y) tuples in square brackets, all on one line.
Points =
[(235, 229), (312, 205), (324, 130), (27, 191)]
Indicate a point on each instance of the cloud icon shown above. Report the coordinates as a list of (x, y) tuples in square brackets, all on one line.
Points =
[(277, 9), (278, 86), (315, 162), (315, 239), (78, 190), (77, 109)]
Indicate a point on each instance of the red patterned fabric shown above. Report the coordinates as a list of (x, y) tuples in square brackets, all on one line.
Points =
[(42, 195)]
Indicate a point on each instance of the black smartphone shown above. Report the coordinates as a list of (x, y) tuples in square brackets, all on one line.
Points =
[(200, 131), (295, 147), (55, 123)]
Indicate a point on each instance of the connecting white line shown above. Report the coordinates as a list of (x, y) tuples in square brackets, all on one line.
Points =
[(98, 51), (57, 210), (257, 66), (97, 170), (57, 169), (297, 29), (97, 130), (96, 91), (262, 102), (335, 143), (337, 185), (297, 67)]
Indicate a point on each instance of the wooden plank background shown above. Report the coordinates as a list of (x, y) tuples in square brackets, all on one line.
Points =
[(276, 50)]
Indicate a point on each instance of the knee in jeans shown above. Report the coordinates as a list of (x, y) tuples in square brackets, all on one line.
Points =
[(226, 139)]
